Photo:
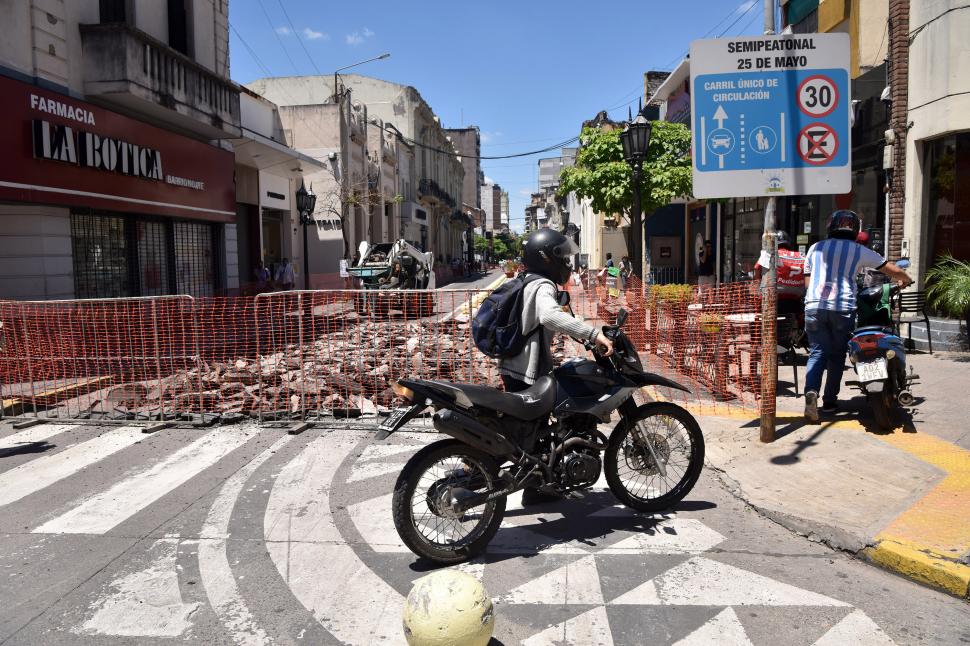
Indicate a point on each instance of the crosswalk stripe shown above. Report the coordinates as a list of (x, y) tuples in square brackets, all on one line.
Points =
[(38, 474), (103, 511), (33, 434), (217, 578)]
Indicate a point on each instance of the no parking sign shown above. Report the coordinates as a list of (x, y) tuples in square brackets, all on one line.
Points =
[(771, 115)]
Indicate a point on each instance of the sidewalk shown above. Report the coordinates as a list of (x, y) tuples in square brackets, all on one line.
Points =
[(900, 500)]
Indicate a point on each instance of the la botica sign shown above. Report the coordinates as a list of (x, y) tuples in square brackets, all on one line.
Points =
[(60, 150), (771, 115)]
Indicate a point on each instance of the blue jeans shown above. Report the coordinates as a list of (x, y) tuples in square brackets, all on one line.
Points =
[(828, 333)]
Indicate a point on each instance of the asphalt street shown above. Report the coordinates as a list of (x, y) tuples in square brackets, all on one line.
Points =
[(242, 535)]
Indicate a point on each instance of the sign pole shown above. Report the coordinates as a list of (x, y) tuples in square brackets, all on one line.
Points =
[(769, 300)]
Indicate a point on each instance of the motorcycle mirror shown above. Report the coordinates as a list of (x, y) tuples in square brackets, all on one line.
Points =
[(562, 298), (621, 317), (902, 263)]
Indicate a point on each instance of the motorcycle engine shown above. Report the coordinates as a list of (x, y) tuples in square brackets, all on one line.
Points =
[(579, 469)]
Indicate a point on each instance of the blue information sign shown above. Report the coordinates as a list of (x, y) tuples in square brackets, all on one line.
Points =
[(762, 130)]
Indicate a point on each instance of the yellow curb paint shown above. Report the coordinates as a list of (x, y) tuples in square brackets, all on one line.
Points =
[(483, 294), (918, 565), (925, 541)]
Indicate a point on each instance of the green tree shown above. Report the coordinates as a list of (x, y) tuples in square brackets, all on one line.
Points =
[(481, 245), (603, 176), (500, 248)]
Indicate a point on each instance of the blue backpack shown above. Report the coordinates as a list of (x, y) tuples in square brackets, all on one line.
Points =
[(496, 328)]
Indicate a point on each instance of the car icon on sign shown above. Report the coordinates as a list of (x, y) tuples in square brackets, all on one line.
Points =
[(721, 141)]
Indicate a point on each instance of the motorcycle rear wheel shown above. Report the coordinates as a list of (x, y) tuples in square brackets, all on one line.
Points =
[(425, 525), (881, 403), (631, 473)]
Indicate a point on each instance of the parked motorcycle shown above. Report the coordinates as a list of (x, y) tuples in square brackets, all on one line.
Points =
[(450, 497), (878, 354)]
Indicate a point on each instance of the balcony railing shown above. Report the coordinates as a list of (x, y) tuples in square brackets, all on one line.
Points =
[(430, 188), (127, 66)]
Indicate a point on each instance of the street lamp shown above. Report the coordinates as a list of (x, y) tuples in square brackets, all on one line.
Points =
[(336, 92), (636, 140), (306, 202)]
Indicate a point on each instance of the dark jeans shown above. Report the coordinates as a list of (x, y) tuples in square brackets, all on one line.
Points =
[(513, 385), (828, 333)]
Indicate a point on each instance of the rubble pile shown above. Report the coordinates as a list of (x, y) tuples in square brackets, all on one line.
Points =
[(347, 372)]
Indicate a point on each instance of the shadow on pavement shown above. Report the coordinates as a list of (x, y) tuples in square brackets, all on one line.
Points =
[(578, 522), (26, 448)]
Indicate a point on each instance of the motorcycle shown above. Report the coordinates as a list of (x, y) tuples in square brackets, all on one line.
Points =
[(450, 497), (878, 354)]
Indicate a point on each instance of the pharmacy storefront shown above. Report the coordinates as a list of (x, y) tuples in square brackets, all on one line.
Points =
[(94, 204)]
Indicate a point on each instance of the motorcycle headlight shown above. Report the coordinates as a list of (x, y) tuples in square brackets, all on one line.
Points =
[(403, 391)]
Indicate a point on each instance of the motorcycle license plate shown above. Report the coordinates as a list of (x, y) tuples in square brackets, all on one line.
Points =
[(872, 370), (395, 420)]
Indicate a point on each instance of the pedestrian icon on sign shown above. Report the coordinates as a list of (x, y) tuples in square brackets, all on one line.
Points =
[(762, 140)]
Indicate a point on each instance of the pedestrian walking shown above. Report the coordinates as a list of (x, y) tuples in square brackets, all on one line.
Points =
[(705, 267), (831, 266), (345, 273), (285, 275)]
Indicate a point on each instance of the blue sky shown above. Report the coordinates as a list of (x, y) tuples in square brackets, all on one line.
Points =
[(527, 73)]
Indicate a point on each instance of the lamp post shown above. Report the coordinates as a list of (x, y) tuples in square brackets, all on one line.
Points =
[(306, 202), (636, 139), (336, 91)]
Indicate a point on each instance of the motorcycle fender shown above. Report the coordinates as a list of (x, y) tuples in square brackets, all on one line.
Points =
[(875, 386), (651, 379)]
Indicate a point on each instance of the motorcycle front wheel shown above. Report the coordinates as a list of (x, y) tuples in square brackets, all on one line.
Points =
[(436, 475), (632, 472)]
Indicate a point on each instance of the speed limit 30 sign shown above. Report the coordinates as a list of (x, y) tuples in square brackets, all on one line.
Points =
[(770, 115), (818, 96)]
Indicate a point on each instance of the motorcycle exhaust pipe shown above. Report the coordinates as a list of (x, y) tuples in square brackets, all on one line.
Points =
[(905, 398), (468, 430)]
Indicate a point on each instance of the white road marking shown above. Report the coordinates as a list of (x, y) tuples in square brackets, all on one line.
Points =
[(574, 583), (375, 523), (107, 509), (673, 536), (518, 539), (704, 582), (35, 475), (217, 578), (373, 470), (591, 627), (855, 628), (384, 451), (723, 629), (327, 577), (33, 434), (146, 603)]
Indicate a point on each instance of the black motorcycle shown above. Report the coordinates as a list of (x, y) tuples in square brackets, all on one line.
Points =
[(450, 497)]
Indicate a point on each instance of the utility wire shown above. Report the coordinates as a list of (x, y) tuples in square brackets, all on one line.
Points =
[(250, 50), (297, 34), (269, 22)]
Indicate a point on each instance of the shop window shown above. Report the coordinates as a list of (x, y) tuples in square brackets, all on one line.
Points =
[(100, 250), (195, 268)]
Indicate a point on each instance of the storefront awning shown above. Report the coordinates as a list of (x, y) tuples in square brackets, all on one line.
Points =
[(262, 153)]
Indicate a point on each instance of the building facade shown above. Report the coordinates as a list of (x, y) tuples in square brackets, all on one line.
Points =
[(121, 128), (491, 201), (429, 170)]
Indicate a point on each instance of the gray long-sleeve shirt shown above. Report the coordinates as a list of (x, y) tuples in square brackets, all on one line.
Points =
[(541, 310)]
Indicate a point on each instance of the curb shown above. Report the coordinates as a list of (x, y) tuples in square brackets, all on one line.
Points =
[(922, 566), (912, 544)]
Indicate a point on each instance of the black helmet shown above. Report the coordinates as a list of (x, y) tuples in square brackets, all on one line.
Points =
[(784, 242), (547, 252), (844, 224)]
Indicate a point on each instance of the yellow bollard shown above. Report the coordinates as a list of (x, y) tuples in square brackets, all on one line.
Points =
[(448, 608)]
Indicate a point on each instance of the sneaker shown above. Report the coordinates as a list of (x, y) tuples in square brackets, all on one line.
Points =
[(830, 407), (811, 406)]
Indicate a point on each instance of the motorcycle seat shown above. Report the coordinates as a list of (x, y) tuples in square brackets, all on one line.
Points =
[(532, 403), (872, 328)]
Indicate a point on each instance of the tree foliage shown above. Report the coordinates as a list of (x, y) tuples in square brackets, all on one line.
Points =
[(603, 176)]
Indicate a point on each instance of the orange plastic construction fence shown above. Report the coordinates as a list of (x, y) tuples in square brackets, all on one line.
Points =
[(301, 354)]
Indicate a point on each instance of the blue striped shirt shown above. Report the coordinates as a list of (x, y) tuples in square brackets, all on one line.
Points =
[(832, 265)]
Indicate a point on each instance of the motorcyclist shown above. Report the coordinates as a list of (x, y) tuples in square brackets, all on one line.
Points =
[(545, 253), (831, 266)]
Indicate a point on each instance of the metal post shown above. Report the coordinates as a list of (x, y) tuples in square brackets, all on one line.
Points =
[(636, 226), (769, 354), (306, 253)]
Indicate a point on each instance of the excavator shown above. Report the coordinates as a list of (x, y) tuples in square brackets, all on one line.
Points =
[(391, 275)]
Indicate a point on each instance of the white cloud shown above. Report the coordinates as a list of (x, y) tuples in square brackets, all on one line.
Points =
[(310, 34), (357, 37), (489, 180), (527, 192), (283, 31)]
